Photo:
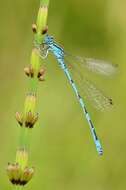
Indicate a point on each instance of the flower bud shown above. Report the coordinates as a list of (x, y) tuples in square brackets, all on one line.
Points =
[(19, 118), (19, 173), (45, 30), (41, 74), (13, 171), (34, 28), (19, 176), (31, 119), (27, 175)]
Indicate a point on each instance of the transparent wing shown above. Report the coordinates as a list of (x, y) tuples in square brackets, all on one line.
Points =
[(92, 93), (100, 67), (87, 89), (95, 65)]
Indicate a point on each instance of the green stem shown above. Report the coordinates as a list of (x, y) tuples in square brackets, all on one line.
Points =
[(33, 85), (25, 138), (20, 170), (44, 2), (18, 187)]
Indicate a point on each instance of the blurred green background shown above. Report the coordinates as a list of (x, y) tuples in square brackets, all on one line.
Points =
[(62, 149)]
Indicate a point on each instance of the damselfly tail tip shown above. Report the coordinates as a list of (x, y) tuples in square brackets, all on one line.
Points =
[(101, 153), (111, 101)]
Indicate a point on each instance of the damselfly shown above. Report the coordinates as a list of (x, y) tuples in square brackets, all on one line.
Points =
[(77, 79)]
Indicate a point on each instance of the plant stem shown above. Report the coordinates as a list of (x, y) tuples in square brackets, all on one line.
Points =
[(20, 173), (18, 187), (44, 2)]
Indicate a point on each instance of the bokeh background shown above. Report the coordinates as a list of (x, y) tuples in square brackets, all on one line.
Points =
[(62, 149)]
